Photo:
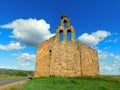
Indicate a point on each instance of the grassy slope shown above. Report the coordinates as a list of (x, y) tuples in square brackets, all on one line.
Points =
[(72, 83)]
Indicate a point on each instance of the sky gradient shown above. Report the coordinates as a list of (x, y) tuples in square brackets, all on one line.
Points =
[(24, 24)]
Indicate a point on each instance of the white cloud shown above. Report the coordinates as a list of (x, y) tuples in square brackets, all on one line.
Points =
[(106, 48), (116, 58), (94, 38), (111, 55), (25, 64), (103, 55), (107, 68), (106, 55), (26, 57), (29, 31), (25, 61), (11, 46), (109, 63), (112, 41), (115, 40), (111, 69)]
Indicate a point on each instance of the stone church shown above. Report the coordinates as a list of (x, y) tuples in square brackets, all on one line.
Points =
[(62, 55)]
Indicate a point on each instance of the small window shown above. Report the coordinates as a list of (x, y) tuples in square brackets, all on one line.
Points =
[(50, 50), (69, 36), (65, 24), (61, 35)]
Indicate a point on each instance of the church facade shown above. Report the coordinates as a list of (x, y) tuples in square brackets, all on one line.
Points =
[(62, 55)]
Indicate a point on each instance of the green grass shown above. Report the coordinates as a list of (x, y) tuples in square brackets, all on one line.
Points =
[(72, 83), (14, 73)]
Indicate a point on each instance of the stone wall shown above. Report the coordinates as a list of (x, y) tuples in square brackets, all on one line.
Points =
[(65, 58), (89, 60), (42, 67)]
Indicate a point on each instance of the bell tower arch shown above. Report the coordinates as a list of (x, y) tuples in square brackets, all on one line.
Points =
[(67, 31)]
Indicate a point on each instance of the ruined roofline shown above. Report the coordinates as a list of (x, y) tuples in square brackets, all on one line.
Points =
[(53, 37), (78, 42)]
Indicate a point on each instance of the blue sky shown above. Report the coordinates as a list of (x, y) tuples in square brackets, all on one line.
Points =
[(26, 23)]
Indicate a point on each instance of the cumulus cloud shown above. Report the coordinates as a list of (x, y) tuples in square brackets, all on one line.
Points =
[(25, 61), (11, 46), (26, 57), (116, 58), (109, 63), (107, 68), (111, 69), (29, 31), (106, 55), (94, 38)]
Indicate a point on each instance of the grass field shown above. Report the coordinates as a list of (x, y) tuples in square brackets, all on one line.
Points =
[(72, 83), (14, 73)]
